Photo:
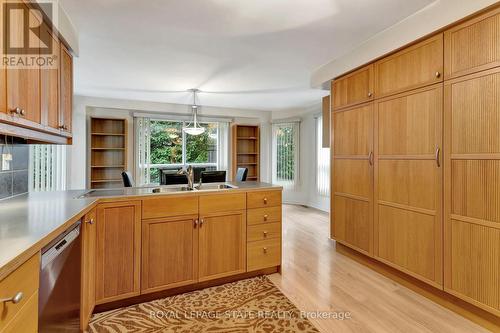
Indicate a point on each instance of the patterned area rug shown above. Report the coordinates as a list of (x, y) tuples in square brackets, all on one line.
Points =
[(252, 305)]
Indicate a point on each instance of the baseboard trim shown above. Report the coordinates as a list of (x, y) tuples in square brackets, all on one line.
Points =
[(455, 304)]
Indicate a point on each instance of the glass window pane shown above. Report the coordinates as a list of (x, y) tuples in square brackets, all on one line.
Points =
[(202, 148), (166, 142)]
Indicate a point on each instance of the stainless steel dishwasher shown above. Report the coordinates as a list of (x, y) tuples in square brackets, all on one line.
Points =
[(60, 279)]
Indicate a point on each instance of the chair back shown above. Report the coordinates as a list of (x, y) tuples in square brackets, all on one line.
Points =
[(241, 174), (169, 177), (128, 181), (213, 176)]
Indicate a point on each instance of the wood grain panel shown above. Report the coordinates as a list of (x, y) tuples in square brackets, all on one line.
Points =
[(264, 215), (353, 131), (263, 231), (89, 239), (222, 245), (352, 177), (408, 239), (222, 202), (410, 124), (415, 66), (49, 86), (166, 206), (3, 72), (326, 111), (352, 222), (260, 199), (475, 115), (169, 253), (263, 254), (354, 88), (409, 182), (66, 88), (473, 45), (476, 189), (118, 251), (475, 262), (26, 321)]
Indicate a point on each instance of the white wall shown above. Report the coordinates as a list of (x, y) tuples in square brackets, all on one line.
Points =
[(431, 18), (305, 193), (84, 107)]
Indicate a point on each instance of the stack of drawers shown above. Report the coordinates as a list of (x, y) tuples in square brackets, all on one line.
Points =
[(263, 229)]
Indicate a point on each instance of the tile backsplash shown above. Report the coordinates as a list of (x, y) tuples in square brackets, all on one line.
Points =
[(14, 163)]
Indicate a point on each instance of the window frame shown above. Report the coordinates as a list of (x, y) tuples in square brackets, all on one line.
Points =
[(295, 182)]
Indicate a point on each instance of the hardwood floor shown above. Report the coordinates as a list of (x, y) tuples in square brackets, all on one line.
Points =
[(317, 278)]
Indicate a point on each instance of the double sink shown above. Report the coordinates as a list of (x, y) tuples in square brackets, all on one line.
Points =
[(159, 189)]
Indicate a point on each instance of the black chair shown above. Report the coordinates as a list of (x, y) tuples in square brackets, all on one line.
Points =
[(169, 177), (241, 174), (128, 181), (213, 176)]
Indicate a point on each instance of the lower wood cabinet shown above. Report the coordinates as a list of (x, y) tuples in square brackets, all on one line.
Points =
[(89, 238), (118, 257), (222, 245), (169, 252)]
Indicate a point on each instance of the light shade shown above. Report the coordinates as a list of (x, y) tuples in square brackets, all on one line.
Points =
[(194, 130)]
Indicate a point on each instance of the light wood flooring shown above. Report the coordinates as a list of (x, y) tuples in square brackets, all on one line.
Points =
[(317, 278)]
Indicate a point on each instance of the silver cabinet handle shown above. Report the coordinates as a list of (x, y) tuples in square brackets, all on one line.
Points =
[(91, 221), (370, 158), (195, 223), (15, 299), (438, 162)]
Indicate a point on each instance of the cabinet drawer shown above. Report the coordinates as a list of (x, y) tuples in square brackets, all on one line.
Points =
[(226, 202), (264, 215), (263, 231), (263, 199), (263, 254), (24, 279), (26, 320), (168, 206)]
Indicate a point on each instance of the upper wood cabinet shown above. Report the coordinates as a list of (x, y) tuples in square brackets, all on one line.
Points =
[(49, 85), (23, 85), (66, 113), (354, 88), (326, 110), (473, 45), (169, 252), (352, 180), (408, 183), (118, 259), (89, 237), (222, 245), (472, 188), (413, 67)]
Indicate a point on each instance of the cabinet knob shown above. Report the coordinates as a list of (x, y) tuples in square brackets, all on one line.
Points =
[(14, 299), (17, 111), (265, 234), (438, 75), (195, 223), (264, 249), (370, 94), (201, 222), (265, 201), (22, 112), (63, 127), (265, 217), (91, 221)]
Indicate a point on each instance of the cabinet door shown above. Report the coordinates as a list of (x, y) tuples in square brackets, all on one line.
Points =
[(352, 180), (472, 189), (408, 183), (413, 67), (118, 250), (49, 86), (3, 76), (222, 245), (354, 88), (89, 233), (473, 45), (169, 252), (23, 85), (66, 91)]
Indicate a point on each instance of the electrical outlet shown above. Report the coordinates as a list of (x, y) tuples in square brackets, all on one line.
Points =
[(6, 160)]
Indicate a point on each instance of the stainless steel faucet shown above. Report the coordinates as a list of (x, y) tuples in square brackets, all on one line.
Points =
[(189, 173)]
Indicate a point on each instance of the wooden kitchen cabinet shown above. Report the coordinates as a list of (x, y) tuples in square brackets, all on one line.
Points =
[(169, 252), (23, 85), (352, 181), (118, 258), (49, 85), (354, 88), (408, 187), (89, 238), (66, 90), (222, 244), (413, 67)]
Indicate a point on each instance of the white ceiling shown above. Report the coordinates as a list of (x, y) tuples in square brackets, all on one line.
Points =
[(253, 54)]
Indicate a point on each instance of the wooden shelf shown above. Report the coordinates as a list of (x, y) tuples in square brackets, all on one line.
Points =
[(247, 153), (107, 166), (247, 163), (245, 149), (108, 134), (106, 180), (108, 148), (247, 138)]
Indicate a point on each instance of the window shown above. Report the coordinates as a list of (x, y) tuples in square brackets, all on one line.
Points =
[(163, 145), (286, 154), (322, 162), (47, 168)]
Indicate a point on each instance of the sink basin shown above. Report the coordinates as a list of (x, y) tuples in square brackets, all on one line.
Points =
[(168, 189), (207, 187)]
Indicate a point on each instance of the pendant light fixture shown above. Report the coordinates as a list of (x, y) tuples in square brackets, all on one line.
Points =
[(193, 128)]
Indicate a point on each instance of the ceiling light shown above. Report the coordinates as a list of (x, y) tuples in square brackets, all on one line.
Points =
[(193, 128)]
